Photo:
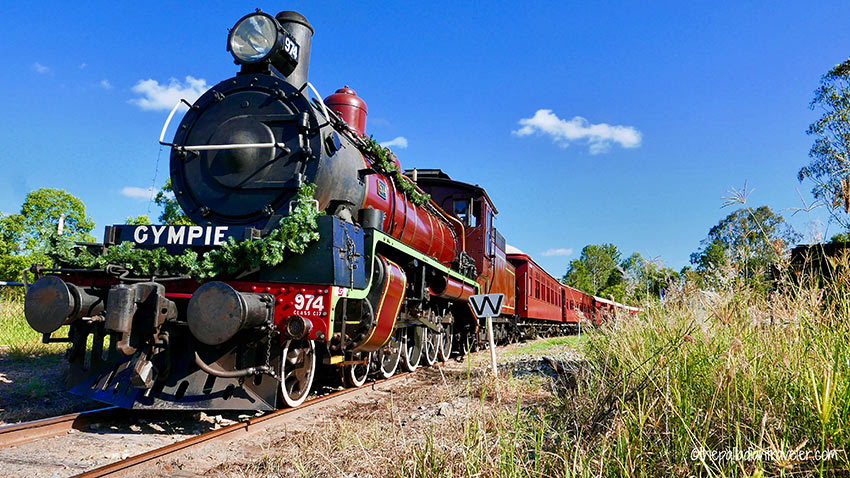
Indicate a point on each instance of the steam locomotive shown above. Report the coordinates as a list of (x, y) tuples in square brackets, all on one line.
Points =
[(385, 285)]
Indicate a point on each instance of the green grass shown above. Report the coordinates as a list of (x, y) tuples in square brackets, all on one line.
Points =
[(732, 371), (16, 336)]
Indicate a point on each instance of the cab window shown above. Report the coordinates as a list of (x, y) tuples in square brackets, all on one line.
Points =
[(461, 207)]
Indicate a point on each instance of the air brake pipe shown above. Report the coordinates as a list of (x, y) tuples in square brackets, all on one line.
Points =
[(448, 288), (233, 373)]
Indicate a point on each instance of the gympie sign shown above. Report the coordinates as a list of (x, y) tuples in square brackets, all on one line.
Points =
[(173, 237)]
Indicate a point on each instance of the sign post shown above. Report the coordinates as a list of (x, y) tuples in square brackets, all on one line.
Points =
[(488, 306)]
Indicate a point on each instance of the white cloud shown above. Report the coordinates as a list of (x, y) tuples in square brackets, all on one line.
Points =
[(39, 68), (105, 84), (563, 132), (142, 194), (83, 65), (399, 142), (557, 252), (159, 97)]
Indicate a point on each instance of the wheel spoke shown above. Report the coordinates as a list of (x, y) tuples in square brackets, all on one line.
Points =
[(297, 367)]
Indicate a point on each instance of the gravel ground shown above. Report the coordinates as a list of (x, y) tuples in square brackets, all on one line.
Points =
[(33, 387)]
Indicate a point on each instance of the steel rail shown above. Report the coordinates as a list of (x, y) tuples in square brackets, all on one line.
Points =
[(134, 463), (26, 432)]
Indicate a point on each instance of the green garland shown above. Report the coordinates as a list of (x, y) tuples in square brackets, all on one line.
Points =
[(381, 160), (294, 233)]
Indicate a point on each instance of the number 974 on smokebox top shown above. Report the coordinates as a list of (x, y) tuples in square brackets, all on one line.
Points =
[(486, 305)]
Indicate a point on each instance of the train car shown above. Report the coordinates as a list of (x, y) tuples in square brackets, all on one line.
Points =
[(576, 306), (539, 295), (605, 310)]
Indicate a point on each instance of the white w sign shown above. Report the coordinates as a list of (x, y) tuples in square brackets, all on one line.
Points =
[(487, 305)]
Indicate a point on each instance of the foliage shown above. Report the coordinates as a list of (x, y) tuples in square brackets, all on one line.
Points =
[(830, 153), (646, 279), (840, 237), (40, 214), (24, 237), (11, 262), (734, 369), (597, 272), (294, 233), (172, 213), (138, 221), (384, 161), (746, 242)]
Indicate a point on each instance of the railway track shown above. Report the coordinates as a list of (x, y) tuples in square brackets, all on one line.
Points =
[(132, 465), (18, 434)]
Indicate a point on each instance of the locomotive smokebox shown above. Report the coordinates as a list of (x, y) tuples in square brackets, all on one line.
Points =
[(302, 32)]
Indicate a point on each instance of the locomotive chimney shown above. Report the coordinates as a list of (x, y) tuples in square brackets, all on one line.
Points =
[(302, 31)]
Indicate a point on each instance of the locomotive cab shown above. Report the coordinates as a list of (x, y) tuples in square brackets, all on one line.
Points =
[(472, 206)]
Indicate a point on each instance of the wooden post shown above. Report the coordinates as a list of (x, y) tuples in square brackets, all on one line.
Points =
[(492, 345)]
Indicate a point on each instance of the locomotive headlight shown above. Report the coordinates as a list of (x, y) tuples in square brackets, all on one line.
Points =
[(258, 38), (254, 38)]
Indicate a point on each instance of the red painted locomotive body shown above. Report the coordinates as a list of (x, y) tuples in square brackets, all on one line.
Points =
[(475, 214), (413, 225), (428, 230)]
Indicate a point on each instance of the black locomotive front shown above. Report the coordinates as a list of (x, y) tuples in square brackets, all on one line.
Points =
[(245, 146)]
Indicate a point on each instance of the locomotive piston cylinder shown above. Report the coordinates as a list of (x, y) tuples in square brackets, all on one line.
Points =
[(449, 288), (51, 303), (217, 312)]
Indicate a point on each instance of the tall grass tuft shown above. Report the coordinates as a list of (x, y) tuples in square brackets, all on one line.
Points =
[(728, 383)]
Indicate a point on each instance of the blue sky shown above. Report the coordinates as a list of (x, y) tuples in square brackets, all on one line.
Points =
[(680, 102)]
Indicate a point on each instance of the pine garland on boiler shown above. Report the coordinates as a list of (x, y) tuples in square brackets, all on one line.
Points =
[(293, 233), (381, 160)]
